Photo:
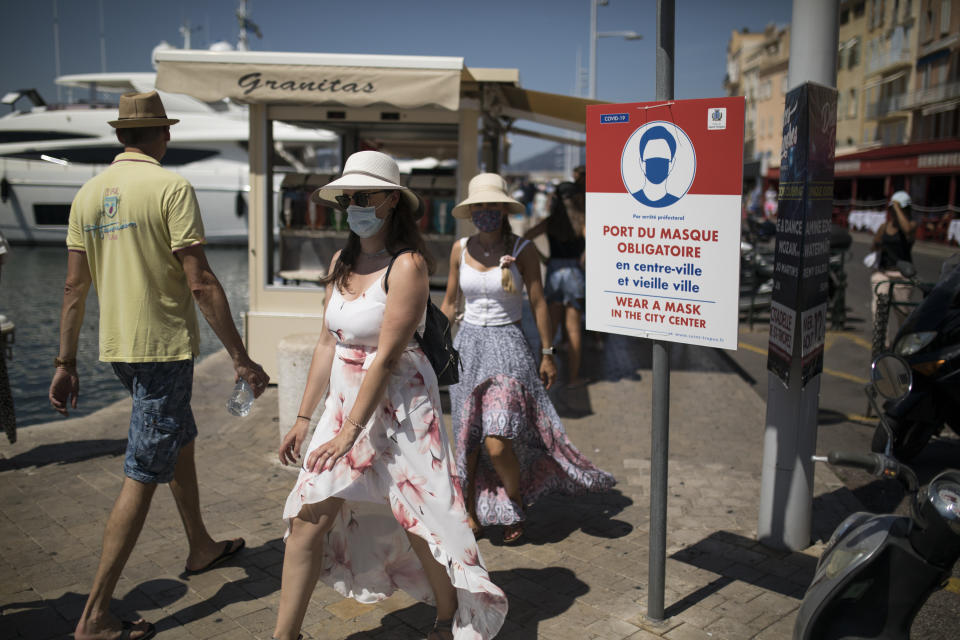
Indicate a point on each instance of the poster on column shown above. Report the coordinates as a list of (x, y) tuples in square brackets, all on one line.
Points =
[(663, 211), (798, 312)]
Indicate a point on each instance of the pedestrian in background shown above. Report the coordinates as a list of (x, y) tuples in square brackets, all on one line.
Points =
[(893, 243), (565, 284), (511, 445), (376, 506), (135, 232)]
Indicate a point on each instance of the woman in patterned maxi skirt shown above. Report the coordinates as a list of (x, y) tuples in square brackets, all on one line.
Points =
[(511, 446), (377, 506)]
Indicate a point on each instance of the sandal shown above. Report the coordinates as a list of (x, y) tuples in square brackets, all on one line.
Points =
[(440, 627), (513, 533), (128, 627)]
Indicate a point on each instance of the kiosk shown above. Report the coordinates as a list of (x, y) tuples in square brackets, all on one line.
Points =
[(407, 106)]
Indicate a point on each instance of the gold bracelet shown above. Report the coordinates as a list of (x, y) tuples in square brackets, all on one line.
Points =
[(353, 422)]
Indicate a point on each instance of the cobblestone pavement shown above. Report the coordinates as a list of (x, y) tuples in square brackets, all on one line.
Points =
[(581, 573)]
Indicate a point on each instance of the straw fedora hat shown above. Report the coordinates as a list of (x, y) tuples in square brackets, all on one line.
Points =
[(369, 171), (142, 110), (487, 187)]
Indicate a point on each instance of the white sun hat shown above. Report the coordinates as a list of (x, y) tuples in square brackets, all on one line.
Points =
[(483, 188), (369, 171)]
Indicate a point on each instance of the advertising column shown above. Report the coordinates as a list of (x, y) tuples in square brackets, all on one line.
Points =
[(664, 184), (800, 284)]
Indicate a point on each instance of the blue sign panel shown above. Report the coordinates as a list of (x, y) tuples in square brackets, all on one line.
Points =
[(611, 118)]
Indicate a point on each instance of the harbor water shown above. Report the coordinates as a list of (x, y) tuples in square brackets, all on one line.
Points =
[(31, 291)]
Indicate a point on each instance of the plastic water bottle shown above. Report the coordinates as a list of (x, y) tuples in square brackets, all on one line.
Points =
[(241, 399)]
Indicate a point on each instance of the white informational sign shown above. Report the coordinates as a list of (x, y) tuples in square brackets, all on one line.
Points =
[(663, 211)]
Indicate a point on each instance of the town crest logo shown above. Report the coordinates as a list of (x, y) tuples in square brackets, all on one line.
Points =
[(110, 204)]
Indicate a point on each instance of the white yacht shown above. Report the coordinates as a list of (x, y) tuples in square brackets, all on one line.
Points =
[(48, 152)]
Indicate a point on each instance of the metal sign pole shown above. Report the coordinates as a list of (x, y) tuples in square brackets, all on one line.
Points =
[(660, 427)]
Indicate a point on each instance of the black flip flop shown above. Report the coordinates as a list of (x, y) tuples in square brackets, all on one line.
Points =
[(127, 627), (228, 551), (513, 533)]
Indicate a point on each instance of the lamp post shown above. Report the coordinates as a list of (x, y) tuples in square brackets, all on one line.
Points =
[(594, 35)]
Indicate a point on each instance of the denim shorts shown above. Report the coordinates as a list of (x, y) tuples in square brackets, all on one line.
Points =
[(161, 422), (565, 283)]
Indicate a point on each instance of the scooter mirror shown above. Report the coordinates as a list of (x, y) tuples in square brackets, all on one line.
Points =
[(891, 376)]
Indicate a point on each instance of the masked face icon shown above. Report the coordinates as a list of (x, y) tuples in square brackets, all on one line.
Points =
[(656, 161), (658, 164), (657, 169)]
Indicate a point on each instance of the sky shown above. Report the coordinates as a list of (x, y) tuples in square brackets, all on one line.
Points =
[(541, 38)]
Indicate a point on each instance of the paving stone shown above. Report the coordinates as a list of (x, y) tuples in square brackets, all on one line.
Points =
[(729, 627), (689, 632), (611, 629), (348, 609), (643, 634)]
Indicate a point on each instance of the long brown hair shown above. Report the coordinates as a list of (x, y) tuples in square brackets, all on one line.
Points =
[(402, 233)]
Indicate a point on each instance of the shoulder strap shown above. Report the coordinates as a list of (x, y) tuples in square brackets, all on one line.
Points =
[(463, 247), (519, 245), (386, 276)]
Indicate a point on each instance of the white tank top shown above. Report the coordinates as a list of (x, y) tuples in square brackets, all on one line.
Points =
[(358, 321), (486, 303)]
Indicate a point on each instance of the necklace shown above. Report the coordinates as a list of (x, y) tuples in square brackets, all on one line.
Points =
[(375, 254), (486, 250)]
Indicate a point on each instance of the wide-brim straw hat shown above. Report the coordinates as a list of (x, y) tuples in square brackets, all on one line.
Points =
[(484, 188), (142, 110), (369, 171)]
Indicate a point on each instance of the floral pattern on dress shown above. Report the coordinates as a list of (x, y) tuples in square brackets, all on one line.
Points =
[(399, 477)]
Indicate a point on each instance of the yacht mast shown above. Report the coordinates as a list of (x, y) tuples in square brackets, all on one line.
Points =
[(242, 16), (246, 26), (56, 47), (186, 31), (103, 43)]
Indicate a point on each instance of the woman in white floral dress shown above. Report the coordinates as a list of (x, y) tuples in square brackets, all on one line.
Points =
[(377, 506)]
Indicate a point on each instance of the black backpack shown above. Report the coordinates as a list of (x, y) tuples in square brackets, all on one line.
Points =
[(437, 338)]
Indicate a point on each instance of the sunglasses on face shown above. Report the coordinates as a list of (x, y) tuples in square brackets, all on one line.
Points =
[(361, 198)]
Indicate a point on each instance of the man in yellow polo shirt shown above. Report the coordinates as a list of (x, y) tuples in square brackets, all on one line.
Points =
[(135, 233)]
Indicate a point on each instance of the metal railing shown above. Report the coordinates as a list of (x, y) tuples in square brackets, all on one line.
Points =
[(912, 100), (885, 293), (884, 106), (946, 91)]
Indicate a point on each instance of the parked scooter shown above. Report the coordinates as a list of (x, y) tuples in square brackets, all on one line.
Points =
[(929, 341), (756, 264), (878, 570)]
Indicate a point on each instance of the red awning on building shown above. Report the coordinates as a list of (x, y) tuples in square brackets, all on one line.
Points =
[(936, 157)]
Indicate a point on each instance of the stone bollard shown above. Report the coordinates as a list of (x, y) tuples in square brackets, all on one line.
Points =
[(293, 363)]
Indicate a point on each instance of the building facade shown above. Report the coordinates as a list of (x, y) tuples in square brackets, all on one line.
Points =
[(891, 54), (898, 103), (851, 70), (935, 96)]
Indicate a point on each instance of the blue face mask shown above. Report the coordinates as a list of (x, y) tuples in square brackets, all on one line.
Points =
[(486, 219), (656, 169), (363, 221)]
